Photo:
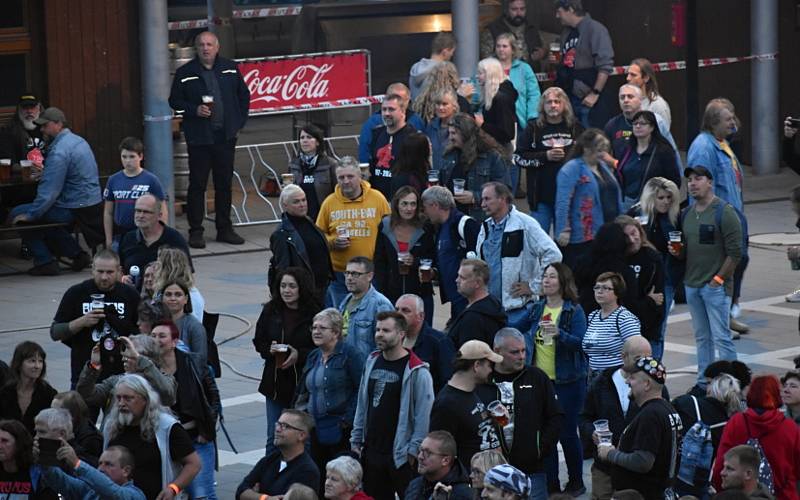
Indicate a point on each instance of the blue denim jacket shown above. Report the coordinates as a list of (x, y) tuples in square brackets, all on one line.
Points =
[(69, 179), (433, 131), (571, 362), (361, 326), (89, 484), (706, 151), (488, 166), (578, 203), (342, 377)]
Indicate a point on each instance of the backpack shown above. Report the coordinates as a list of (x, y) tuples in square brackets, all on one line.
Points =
[(697, 452), (718, 221), (764, 469)]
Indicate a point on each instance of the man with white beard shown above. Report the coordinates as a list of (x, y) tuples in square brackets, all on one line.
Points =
[(140, 423), (21, 139)]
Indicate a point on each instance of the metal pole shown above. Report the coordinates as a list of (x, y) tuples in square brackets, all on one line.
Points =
[(154, 37), (764, 91), (692, 74), (465, 28), (220, 22)]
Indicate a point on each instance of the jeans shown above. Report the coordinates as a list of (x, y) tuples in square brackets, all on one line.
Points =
[(203, 485), (544, 216), (513, 171), (538, 486), (54, 239), (517, 319), (581, 111), (427, 301), (274, 410), (337, 291), (571, 396), (738, 276), (216, 159), (658, 345), (710, 310)]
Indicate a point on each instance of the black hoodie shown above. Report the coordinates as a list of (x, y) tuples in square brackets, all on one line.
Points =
[(479, 321), (458, 477), (501, 120)]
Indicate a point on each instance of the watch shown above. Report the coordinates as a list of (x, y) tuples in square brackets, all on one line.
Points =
[(595, 91)]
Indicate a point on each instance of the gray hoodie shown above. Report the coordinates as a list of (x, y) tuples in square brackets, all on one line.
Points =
[(417, 75)]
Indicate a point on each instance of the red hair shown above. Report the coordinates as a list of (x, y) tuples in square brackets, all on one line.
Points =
[(764, 393), (173, 328)]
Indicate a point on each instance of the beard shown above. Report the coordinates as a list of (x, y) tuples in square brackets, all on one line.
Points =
[(27, 124), (125, 419), (515, 21)]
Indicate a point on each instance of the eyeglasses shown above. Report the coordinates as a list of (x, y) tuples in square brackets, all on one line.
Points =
[(353, 274), (283, 426), (602, 288), (425, 453)]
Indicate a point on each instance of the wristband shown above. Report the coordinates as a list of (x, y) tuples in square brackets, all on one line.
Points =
[(263, 497), (175, 489), (77, 463), (94, 366), (595, 91), (718, 279)]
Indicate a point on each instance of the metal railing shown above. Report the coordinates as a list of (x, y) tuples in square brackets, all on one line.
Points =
[(259, 165)]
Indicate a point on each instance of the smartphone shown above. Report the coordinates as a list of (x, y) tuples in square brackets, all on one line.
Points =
[(794, 122), (47, 452)]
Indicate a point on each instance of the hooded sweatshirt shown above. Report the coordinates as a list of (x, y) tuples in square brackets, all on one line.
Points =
[(416, 77), (479, 321), (360, 216), (458, 478), (779, 437)]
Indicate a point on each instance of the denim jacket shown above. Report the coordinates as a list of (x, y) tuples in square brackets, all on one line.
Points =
[(434, 130), (706, 151), (487, 167), (69, 179), (570, 360), (416, 401), (361, 325), (89, 484), (342, 378), (578, 205)]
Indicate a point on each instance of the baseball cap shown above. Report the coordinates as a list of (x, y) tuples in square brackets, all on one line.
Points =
[(697, 170), (653, 368), (476, 349), (509, 478), (27, 100), (50, 115)]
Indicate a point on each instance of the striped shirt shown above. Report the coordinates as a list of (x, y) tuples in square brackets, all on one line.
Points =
[(605, 336)]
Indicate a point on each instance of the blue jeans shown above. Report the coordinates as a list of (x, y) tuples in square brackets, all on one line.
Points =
[(571, 396), (56, 239), (658, 345), (203, 485), (274, 410), (710, 310), (581, 111), (544, 216), (337, 291), (538, 486), (517, 318)]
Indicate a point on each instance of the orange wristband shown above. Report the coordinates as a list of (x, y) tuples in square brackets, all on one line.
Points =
[(174, 488), (718, 279), (78, 463), (94, 366), (263, 497)]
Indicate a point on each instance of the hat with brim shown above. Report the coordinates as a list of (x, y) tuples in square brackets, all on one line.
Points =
[(476, 349), (27, 100), (50, 115), (697, 170)]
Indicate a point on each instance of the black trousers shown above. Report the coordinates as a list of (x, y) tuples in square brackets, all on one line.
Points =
[(217, 159), (381, 479)]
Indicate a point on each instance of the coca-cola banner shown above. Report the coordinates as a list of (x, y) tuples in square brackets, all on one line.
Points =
[(297, 82)]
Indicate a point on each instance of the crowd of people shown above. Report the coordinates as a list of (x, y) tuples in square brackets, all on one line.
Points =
[(557, 316)]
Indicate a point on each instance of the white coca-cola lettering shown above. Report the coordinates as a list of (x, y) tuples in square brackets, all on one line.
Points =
[(305, 82)]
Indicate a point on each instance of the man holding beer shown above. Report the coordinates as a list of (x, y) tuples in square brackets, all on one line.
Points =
[(211, 96), (712, 246)]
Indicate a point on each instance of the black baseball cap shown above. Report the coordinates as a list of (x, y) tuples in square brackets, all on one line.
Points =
[(697, 170), (27, 100)]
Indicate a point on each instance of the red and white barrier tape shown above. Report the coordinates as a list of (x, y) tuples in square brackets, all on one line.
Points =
[(239, 14), (675, 65)]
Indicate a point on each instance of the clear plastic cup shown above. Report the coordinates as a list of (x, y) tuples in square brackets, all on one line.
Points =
[(458, 186)]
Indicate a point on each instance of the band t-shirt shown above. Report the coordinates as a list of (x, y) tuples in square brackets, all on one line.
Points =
[(147, 475), (383, 403), (655, 429), (123, 191), (15, 485), (464, 415)]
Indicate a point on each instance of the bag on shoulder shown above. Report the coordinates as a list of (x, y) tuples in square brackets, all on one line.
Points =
[(697, 452), (764, 469)]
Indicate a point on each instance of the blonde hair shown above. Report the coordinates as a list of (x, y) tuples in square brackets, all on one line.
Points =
[(568, 115), (494, 77), (174, 267), (725, 388), (511, 38), (443, 77), (647, 202)]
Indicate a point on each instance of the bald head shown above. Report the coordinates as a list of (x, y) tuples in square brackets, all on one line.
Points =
[(635, 348), (207, 46), (401, 90)]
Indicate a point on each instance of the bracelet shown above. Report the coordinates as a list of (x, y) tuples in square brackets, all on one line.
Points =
[(175, 489), (718, 279)]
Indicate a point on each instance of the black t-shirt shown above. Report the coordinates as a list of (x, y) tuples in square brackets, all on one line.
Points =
[(543, 178), (275, 476), (385, 148), (307, 185), (464, 415), (569, 48), (147, 476), (383, 400), (133, 251), (15, 485), (656, 429), (77, 301)]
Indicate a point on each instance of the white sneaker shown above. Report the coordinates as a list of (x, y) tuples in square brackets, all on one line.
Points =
[(793, 297), (735, 335), (736, 311)]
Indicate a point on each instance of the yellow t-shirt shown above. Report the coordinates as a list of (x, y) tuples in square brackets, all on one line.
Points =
[(545, 358), (736, 169)]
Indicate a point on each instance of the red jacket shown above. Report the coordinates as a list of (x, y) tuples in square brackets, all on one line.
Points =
[(780, 438)]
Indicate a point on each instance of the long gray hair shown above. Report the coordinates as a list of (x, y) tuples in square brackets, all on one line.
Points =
[(149, 421)]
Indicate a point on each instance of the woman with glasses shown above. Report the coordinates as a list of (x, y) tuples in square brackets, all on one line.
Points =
[(404, 241), (608, 327), (328, 386), (283, 338), (649, 155)]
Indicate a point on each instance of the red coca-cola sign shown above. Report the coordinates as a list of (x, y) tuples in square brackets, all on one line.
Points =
[(287, 83)]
